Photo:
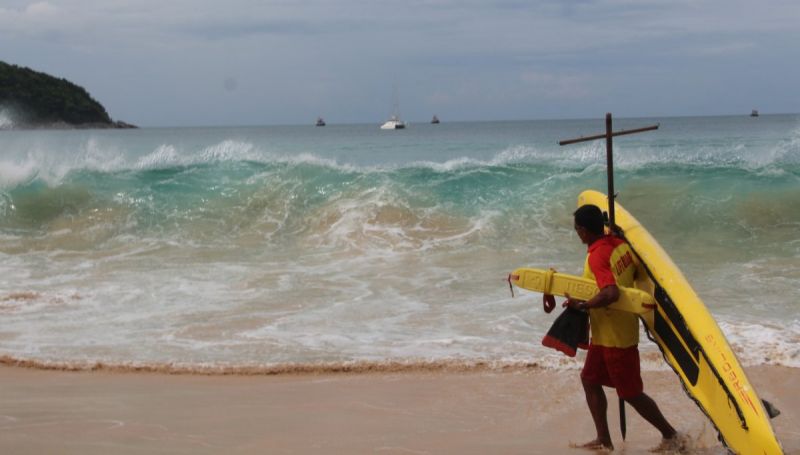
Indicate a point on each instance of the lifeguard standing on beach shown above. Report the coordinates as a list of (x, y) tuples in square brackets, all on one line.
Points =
[(613, 356)]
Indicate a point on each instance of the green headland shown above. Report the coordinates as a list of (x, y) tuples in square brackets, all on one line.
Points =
[(32, 99)]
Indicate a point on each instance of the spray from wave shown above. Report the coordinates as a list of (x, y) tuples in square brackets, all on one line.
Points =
[(6, 118)]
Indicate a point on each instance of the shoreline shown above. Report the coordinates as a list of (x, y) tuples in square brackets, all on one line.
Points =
[(534, 410), (277, 369), (64, 126)]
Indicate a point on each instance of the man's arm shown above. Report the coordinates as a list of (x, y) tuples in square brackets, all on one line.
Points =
[(604, 298)]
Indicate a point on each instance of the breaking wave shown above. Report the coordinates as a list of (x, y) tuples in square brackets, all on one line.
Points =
[(222, 252)]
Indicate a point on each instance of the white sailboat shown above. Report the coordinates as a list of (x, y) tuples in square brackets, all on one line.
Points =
[(394, 122)]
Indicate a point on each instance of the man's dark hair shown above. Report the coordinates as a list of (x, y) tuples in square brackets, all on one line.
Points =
[(591, 218)]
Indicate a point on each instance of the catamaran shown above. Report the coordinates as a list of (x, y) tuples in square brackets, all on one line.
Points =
[(394, 122)]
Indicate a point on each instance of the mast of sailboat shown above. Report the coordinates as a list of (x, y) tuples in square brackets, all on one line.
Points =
[(609, 134), (395, 104)]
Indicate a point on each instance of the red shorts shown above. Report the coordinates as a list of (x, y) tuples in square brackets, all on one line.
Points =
[(614, 367)]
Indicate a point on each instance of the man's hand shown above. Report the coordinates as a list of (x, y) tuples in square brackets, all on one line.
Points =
[(573, 303)]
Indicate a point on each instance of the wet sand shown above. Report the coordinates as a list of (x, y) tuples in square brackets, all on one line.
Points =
[(534, 411)]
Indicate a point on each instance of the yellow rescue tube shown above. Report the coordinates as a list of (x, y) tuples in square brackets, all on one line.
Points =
[(551, 282)]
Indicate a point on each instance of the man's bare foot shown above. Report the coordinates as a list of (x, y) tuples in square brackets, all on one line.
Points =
[(595, 445), (679, 443)]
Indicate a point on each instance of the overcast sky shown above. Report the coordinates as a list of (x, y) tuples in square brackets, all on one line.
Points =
[(240, 62)]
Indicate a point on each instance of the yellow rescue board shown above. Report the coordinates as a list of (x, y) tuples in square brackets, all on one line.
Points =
[(551, 282), (693, 344)]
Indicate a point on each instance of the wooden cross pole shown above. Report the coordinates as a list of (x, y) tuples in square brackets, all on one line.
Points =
[(609, 134)]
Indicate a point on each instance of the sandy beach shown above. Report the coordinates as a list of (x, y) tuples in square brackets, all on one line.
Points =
[(521, 412)]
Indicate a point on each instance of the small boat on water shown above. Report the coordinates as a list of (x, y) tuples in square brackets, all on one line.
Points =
[(320, 121), (435, 120), (754, 113), (394, 123)]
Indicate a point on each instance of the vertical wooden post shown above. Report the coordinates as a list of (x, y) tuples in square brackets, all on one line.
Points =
[(610, 172)]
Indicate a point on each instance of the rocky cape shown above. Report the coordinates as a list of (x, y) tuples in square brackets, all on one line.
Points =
[(30, 100)]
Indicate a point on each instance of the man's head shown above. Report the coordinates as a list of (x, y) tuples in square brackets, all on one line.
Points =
[(589, 222)]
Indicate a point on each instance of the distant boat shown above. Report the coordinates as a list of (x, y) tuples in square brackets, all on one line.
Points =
[(754, 113), (320, 122), (394, 122), (435, 120)]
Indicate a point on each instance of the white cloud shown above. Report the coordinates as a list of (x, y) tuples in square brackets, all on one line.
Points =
[(555, 86), (41, 9), (724, 49)]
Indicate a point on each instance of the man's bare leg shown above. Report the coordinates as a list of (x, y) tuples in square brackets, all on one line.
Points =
[(672, 441), (598, 406), (648, 409)]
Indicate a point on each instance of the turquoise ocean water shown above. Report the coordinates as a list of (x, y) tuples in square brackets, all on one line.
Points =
[(297, 245)]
